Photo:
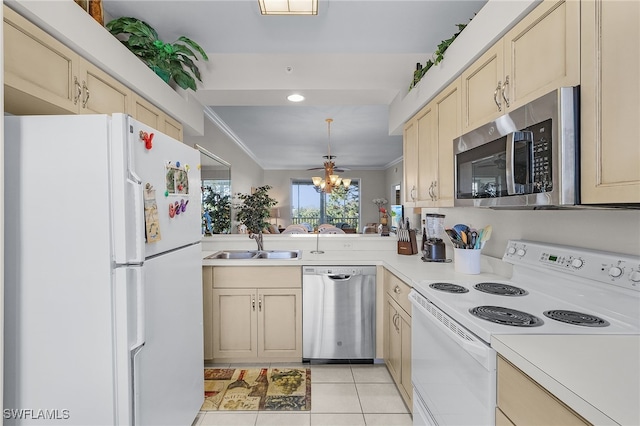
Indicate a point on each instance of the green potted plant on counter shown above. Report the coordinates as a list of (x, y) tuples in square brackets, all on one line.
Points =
[(167, 60), (254, 210)]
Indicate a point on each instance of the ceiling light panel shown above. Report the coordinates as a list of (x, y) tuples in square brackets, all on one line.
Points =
[(288, 7)]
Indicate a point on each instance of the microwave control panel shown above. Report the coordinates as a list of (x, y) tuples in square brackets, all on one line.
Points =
[(542, 176)]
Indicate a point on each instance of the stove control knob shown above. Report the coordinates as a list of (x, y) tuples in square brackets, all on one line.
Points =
[(521, 252), (615, 271), (511, 250), (577, 263), (635, 276)]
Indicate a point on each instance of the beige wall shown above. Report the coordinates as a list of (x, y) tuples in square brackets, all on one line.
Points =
[(245, 172), (372, 185), (609, 230)]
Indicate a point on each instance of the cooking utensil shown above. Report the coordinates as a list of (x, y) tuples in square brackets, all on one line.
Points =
[(460, 228), (454, 237), (486, 235), (479, 239)]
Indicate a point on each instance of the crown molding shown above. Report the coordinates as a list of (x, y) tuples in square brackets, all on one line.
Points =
[(220, 124)]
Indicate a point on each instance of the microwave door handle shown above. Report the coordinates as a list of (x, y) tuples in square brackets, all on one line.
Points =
[(512, 138), (511, 184)]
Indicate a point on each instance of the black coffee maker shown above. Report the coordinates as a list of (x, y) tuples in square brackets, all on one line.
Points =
[(433, 249)]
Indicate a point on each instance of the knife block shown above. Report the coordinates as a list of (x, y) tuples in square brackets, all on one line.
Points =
[(408, 247)]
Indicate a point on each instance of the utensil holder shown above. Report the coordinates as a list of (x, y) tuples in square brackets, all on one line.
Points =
[(467, 261), (408, 247)]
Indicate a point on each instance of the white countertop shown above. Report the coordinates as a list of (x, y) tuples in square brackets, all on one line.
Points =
[(598, 376), (409, 269)]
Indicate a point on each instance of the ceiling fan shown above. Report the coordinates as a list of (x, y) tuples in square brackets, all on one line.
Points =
[(331, 179)]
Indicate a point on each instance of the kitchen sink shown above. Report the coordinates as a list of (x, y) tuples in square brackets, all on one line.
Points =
[(257, 254), (279, 254)]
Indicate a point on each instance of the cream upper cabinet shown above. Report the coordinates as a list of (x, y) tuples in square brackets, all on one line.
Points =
[(610, 102), (431, 133), (255, 314), (70, 85), (101, 93), (481, 88), (427, 153), (147, 113), (447, 127), (28, 51), (410, 160), (538, 55), (173, 128)]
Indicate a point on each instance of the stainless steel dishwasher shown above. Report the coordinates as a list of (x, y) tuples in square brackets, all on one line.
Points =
[(339, 313)]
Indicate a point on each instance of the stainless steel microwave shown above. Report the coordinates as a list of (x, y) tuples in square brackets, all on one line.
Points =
[(524, 159)]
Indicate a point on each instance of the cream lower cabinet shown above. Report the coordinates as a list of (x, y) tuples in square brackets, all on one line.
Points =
[(397, 335), (255, 314), (610, 102), (522, 401), (539, 54)]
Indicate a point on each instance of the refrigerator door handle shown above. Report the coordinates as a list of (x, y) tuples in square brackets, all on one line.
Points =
[(138, 208), (140, 311)]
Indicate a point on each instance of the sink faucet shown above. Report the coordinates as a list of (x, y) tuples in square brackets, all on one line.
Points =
[(258, 238)]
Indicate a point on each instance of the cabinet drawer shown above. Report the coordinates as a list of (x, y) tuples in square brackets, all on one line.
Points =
[(525, 402), (398, 291), (257, 277)]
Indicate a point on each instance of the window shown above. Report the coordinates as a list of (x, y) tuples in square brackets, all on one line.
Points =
[(340, 207)]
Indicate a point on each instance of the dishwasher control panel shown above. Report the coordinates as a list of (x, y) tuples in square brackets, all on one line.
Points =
[(339, 270)]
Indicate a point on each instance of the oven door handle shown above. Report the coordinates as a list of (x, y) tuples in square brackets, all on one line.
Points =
[(477, 349), (512, 138)]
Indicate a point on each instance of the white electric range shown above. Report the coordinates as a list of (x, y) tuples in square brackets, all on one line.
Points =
[(553, 290)]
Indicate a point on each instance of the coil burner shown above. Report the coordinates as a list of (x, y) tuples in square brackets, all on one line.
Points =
[(449, 288), (506, 316), (576, 318), (501, 289)]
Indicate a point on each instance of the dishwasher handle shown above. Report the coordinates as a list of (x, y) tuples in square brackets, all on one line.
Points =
[(339, 277)]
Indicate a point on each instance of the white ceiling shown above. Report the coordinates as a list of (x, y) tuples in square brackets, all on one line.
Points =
[(350, 61)]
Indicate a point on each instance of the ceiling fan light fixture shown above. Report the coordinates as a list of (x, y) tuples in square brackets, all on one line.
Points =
[(296, 97), (331, 180), (288, 7)]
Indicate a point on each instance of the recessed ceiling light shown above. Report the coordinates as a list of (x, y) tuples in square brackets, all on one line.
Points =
[(295, 98)]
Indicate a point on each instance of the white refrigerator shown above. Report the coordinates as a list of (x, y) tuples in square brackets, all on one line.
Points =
[(103, 276)]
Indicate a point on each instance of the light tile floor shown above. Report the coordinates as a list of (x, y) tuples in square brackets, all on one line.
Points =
[(341, 394)]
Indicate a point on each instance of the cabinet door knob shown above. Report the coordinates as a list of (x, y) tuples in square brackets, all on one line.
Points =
[(396, 290), (260, 304), (253, 303), (495, 96)]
